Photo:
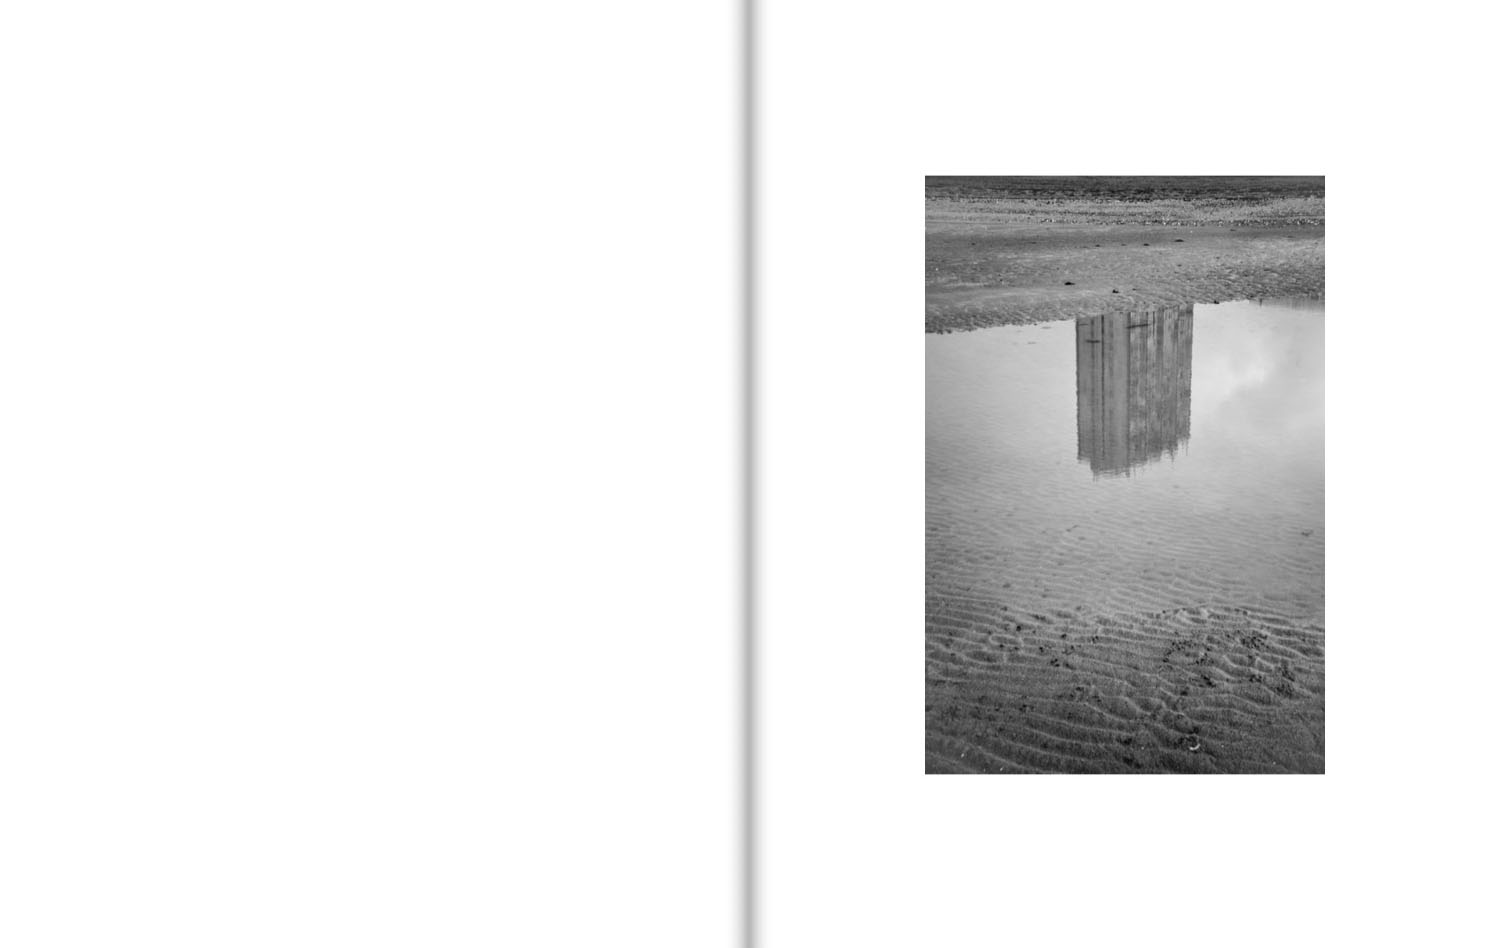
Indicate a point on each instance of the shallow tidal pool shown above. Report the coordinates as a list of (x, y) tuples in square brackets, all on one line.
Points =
[(1124, 543), (1137, 461)]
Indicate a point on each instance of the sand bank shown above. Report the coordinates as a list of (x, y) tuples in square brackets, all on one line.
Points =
[(1000, 252)]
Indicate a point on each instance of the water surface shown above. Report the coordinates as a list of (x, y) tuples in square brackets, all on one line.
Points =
[(1139, 461)]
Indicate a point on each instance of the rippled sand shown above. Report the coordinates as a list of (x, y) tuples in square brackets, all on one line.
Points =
[(1189, 690)]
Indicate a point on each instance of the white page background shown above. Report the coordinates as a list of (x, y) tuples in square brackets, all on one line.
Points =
[(860, 102), (368, 474)]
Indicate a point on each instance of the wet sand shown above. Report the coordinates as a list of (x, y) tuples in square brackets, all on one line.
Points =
[(1189, 690), (998, 252), (1137, 637)]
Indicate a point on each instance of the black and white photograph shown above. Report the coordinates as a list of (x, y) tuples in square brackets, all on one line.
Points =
[(1124, 496)]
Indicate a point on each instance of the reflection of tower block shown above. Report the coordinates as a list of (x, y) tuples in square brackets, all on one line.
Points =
[(1133, 377)]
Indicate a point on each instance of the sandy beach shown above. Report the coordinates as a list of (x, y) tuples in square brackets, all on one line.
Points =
[(1124, 510), (1010, 251)]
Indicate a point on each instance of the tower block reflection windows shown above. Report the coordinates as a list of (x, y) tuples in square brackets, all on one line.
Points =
[(1132, 387)]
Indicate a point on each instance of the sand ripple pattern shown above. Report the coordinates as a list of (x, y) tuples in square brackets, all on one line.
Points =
[(1137, 561), (1200, 689)]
